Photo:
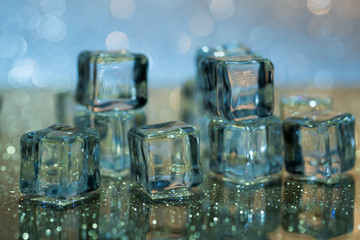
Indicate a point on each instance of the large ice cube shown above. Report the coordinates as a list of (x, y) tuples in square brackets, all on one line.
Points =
[(319, 144), (165, 159), (246, 151), (237, 87), (112, 80), (59, 162)]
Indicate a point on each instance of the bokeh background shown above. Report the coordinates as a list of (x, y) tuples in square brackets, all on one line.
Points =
[(313, 42)]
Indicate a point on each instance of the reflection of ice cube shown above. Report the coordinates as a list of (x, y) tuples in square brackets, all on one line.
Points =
[(112, 80), (165, 158), (320, 210), (246, 150), (112, 128), (59, 162), (241, 212), (319, 144), (48, 222)]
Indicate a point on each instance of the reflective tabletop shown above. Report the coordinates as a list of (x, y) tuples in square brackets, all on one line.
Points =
[(283, 208)]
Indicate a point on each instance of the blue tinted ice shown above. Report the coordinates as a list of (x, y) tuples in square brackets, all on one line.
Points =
[(319, 144), (246, 151), (165, 158), (112, 80), (237, 87), (59, 162)]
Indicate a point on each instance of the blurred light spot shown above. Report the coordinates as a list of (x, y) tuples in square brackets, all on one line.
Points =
[(10, 149), (258, 36), (29, 17), (319, 7), (122, 8), (117, 41), (22, 71), (297, 64), (312, 103), (205, 49), (54, 7), (222, 9), (42, 77), (201, 24), (182, 43), (323, 80), (52, 28)]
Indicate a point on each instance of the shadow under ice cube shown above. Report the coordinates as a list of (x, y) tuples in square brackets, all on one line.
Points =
[(246, 151), (319, 144), (59, 162), (165, 159), (112, 80)]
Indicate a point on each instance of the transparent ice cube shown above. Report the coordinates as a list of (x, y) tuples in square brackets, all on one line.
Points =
[(246, 151), (165, 159), (112, 128), (59, 162), (319, 144), (220, 51), (290, 105), (112, 80), (237, 87)]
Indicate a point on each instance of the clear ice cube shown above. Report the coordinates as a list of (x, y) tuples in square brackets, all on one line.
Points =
[(112, 128), (246, 151), (237, 87), (165, 159), (112, 80), (59, 162), (319, 144), (290, 105), (206, 78)]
